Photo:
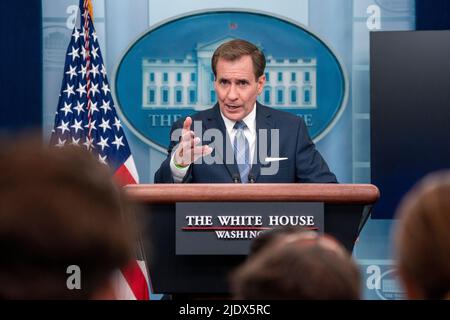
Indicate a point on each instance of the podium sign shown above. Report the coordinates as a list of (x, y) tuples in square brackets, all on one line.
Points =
[(227, 228)]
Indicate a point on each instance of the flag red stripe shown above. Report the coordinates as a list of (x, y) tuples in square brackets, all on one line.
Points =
[(123, 176), (135, 279), (132, 273)]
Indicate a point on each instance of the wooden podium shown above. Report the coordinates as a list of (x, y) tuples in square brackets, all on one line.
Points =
[(346, 209)]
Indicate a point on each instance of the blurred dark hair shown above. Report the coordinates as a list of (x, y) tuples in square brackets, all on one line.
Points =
[(423, 236), (58, 207), (306, 268), (267, 237)]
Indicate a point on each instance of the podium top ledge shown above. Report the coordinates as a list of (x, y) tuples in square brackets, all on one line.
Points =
[(286, 192)]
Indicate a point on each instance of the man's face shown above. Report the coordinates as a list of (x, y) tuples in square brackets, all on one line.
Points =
[(236, 87)]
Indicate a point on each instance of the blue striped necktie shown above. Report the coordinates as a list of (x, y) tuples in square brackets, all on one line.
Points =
[(242, 151)]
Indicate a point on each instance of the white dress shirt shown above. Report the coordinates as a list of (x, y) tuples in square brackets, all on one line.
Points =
[(249, 132)]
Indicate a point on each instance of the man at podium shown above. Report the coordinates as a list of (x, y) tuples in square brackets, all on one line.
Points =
[(238, 139)]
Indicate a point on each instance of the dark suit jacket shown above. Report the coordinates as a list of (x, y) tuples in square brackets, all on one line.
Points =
[(304, 163)]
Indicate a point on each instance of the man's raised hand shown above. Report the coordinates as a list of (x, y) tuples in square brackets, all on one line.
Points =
[(188, 149)]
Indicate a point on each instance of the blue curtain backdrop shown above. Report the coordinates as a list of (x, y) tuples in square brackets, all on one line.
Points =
[(21, 65)]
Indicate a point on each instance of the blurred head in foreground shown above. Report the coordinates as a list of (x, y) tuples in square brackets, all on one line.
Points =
[(59, 208), (267, 237), (304, 266), (422, 238)]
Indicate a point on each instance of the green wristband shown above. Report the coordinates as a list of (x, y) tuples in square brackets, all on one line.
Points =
[(178, 166)]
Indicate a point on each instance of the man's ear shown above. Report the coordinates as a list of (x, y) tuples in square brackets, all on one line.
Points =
[(260, 82)]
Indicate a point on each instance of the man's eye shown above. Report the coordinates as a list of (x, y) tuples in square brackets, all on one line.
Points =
[(223, 82), (242, 83)]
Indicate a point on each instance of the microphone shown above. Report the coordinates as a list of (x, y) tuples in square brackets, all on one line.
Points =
[(251, 178), (236, 178)]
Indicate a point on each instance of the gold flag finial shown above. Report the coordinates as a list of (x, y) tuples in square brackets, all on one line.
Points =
[(91, 10)]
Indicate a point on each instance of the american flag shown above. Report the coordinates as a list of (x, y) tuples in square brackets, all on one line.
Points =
[(86, 117)]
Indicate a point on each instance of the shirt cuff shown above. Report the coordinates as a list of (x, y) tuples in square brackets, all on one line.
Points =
[(177, 173)]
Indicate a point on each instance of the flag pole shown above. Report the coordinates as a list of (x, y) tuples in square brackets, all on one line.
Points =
[(87, 5)]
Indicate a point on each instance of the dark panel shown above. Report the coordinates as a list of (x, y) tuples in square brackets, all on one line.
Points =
[(432, 15), (21, 65), (410, 111)]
